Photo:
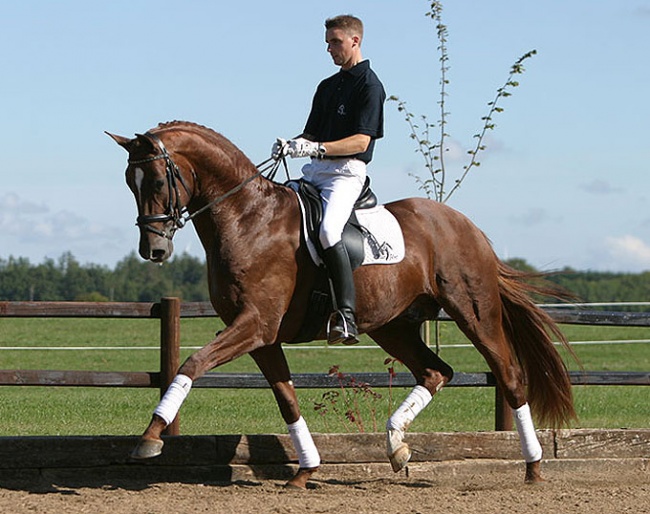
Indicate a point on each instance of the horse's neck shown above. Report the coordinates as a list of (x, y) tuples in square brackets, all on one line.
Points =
[(240, 206), (237, 218)]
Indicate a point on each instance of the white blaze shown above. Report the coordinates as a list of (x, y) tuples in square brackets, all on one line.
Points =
[(139, 177)]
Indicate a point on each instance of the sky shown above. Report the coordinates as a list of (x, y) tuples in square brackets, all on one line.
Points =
[(563, 180)]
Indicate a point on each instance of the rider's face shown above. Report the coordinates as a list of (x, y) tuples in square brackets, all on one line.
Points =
[(342, 47)]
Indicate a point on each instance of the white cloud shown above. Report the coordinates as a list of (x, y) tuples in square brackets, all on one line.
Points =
[(31, 222), (535, 216), (600, 187), (629, 251), (33, 230)]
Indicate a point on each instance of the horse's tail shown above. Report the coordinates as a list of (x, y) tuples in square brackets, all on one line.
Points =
[(529, 330)]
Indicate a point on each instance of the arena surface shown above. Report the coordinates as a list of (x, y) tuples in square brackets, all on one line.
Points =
[(459, 487), (586, 471)]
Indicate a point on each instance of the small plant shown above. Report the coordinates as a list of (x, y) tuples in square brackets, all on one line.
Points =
[(346, 403), (390, 362), (433, 153), (354, 398)]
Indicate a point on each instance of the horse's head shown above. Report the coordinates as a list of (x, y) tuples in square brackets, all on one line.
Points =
[(161, 193)]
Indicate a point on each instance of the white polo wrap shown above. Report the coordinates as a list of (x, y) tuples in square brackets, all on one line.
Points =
[(530, 447), (308, 456), (417, 400), (173, 398)]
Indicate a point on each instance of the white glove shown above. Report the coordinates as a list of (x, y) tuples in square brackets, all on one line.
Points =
[(302, 147), (279, 149)]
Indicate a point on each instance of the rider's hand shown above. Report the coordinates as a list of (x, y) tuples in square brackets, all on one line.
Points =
[(301, 147), (279, 149)]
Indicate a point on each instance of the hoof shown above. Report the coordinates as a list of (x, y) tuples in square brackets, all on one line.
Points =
[(533, 474), (299, 481), (147, 449), (400, 457)]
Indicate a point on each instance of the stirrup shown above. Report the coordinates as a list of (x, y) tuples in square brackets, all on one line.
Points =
[(344, 332)]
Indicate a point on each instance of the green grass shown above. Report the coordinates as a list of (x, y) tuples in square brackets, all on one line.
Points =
[(115, 411)]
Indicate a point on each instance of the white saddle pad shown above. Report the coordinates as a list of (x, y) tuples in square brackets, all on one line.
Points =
[(383, 241)]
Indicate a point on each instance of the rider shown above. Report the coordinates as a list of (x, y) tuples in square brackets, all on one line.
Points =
[(346, 117)]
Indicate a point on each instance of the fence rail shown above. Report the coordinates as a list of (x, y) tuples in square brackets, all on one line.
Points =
[(170, 311)]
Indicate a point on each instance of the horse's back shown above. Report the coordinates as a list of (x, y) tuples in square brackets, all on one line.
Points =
[(423, 219)]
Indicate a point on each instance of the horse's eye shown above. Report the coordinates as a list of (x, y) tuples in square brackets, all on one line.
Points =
[(158, 185)]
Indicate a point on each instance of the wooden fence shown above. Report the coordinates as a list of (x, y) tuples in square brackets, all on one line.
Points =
[(171, 310)]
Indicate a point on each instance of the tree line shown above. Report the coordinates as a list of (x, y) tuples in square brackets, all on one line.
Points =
[(131, 280), (135, 280)]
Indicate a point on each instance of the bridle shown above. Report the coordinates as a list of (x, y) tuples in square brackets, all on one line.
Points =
[(175, 211)]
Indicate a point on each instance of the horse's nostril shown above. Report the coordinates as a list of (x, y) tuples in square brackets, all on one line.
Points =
[(158, 255)]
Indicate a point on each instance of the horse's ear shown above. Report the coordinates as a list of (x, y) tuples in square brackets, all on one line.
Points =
[(140, 142), (124, 142)]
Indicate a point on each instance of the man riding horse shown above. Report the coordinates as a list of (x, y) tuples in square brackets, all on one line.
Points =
[(346, 118)]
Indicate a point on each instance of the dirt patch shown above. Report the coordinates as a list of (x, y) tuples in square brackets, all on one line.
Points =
[(459, 488)]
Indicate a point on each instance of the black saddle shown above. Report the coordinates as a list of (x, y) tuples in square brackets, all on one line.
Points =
[(353, 233), (320, 301)]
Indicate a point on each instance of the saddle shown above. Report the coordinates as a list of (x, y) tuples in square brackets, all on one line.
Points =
[(353, 233), (320, 303)]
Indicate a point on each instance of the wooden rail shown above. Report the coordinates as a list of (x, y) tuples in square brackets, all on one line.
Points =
[(171, 310)]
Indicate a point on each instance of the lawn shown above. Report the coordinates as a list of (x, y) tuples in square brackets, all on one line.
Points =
[(131, 345)]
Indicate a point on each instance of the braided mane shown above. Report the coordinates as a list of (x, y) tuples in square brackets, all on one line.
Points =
[(226, 146), (175, 123), (196, 127)]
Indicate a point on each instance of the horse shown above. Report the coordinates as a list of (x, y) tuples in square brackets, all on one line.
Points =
[(261, 275)]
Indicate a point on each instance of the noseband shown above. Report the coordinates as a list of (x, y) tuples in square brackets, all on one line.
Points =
[(175, 211)]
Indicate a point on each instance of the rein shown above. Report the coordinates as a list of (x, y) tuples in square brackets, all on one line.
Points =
[(178, 213)]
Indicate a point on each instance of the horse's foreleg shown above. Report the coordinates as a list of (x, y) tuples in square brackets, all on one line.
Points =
[(151, 444), (273, 365), (238, 339)]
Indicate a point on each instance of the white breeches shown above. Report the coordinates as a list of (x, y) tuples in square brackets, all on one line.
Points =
[(340, 182)]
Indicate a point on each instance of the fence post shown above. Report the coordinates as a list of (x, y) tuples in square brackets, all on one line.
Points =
[(170, 342), (502, 412)]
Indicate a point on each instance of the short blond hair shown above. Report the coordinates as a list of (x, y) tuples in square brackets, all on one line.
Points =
[(350, 24)]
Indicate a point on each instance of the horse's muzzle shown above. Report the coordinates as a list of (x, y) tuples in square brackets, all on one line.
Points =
[(154, 247)]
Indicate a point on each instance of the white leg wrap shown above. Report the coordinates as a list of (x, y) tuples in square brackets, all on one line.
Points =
[(173, 398), (308, 456), (399, 422), (530, 447), (417, 400)]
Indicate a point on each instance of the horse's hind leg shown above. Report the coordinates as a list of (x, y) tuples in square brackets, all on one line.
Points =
[(273, 365), (401, 339), (479, 317)]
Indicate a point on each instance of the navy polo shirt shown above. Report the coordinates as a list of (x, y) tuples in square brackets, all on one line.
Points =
[(347, 103)]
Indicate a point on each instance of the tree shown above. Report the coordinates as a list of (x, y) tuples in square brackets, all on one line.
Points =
[(433, 153)]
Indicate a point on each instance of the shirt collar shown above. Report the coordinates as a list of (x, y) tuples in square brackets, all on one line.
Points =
[(358, 69)]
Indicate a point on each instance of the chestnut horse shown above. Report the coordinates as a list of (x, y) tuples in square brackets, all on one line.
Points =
[(261, 276)]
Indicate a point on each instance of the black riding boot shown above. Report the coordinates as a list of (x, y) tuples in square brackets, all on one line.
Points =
[(342, 326)]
